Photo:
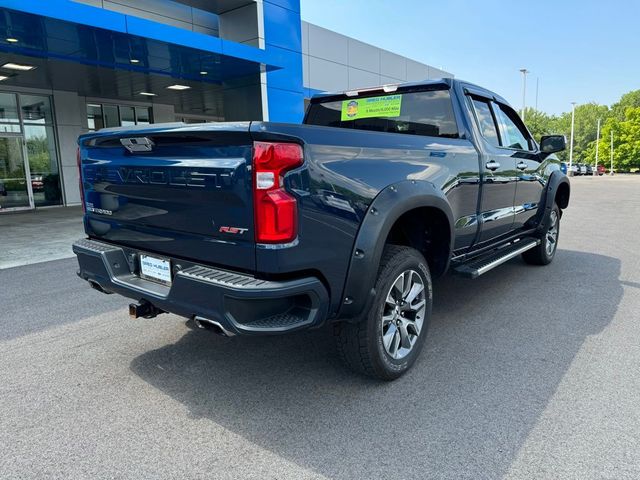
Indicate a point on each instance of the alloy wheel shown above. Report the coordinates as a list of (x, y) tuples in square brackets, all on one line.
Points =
[(551, 239), (403, 314)]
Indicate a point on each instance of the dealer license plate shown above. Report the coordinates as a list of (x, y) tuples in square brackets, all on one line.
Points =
[(155, 269)]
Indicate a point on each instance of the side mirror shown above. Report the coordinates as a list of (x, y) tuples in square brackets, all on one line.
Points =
[(553, 143)]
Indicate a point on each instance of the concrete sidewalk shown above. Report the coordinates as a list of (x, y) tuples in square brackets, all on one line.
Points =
[(38, 236)]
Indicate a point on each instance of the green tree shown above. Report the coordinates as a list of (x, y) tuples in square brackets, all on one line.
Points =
[(585, 129), (539, 123), (631, 99), (626, 142), (39, 155), (623, 118)]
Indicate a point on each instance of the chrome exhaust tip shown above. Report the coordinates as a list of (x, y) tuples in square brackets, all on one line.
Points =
[(213, 326)]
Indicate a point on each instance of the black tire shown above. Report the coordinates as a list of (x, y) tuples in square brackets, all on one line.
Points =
[(541, 255), (360, 345)]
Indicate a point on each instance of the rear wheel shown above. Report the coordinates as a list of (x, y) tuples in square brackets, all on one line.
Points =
[(543, 254), (386, 343)]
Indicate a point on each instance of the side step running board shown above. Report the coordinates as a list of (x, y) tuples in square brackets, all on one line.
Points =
[(477, 266)]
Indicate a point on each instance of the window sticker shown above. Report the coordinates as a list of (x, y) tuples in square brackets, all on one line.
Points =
[(387, 106)]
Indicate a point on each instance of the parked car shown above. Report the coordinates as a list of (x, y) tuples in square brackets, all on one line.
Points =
[(601, 170), (402, 184), (575, 169), (589, 169), (563, 167), (583, 168), (37, 184)]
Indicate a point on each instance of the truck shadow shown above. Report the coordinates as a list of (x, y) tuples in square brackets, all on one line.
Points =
[(498, 348)]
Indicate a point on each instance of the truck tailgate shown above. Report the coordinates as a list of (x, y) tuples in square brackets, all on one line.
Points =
[(179, 191)]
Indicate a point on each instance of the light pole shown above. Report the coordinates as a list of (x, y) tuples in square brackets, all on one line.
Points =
[(524, 72), (611, 172), (573, 121), (595, 172)]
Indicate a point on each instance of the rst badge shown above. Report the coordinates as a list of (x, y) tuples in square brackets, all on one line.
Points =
[(233, 230)]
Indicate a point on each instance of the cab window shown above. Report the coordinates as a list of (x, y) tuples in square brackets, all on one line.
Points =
[(427, 113), (486, 121), (513, 133)]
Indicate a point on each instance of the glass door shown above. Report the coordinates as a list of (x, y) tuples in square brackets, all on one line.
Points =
[(15, 191), (40, 146)]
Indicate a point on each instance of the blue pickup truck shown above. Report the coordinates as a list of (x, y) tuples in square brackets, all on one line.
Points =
[(259, 228)]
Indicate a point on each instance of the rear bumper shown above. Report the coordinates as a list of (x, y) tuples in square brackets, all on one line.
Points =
[(240, 303)]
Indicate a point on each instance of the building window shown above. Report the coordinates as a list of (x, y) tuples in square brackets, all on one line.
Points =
[(33, 179), (104, 115), (143, 116), (9, 121), (37, 117), (195, 119)]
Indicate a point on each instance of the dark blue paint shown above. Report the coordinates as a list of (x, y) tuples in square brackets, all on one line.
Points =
[(354, 166), (173, 200), (344, 172)]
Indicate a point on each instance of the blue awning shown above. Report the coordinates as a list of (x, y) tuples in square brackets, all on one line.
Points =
[(72, 32)]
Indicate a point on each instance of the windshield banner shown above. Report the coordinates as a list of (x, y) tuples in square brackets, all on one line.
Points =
[(387, 106)]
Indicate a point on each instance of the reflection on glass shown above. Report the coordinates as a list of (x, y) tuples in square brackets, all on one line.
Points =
[(514, 137), (101, 116), (143, 115), (13, 184), (9, 113), (110, 116), (9, 128), (127, 116), (486, 123), (8, 108), (35, 109), (43, 164), (94, 116), (419, 113)]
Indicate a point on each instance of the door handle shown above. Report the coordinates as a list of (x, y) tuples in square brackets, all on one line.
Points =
[(492, 165), (522, 165)]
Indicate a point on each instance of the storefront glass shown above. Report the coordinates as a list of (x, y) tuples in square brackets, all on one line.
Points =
[(29, 171)]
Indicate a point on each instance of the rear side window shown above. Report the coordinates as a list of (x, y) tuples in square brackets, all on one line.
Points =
[(486, 122), (427, 113)]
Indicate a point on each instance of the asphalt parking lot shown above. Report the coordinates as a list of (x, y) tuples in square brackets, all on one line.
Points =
[(528, 372)]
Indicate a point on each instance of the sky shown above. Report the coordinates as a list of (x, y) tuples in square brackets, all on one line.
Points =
[(580, 51)]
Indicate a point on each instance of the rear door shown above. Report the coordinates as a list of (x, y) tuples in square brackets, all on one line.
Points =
[(517, 141), (498, 175), (182, 192)]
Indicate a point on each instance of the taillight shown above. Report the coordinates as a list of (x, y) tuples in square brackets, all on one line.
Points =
[(80, 183), (276, 211)]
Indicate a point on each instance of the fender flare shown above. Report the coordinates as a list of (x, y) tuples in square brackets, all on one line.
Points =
[(387, 207), (556, 179)]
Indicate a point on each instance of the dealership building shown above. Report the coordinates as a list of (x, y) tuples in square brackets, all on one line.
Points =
[(68, 67)]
